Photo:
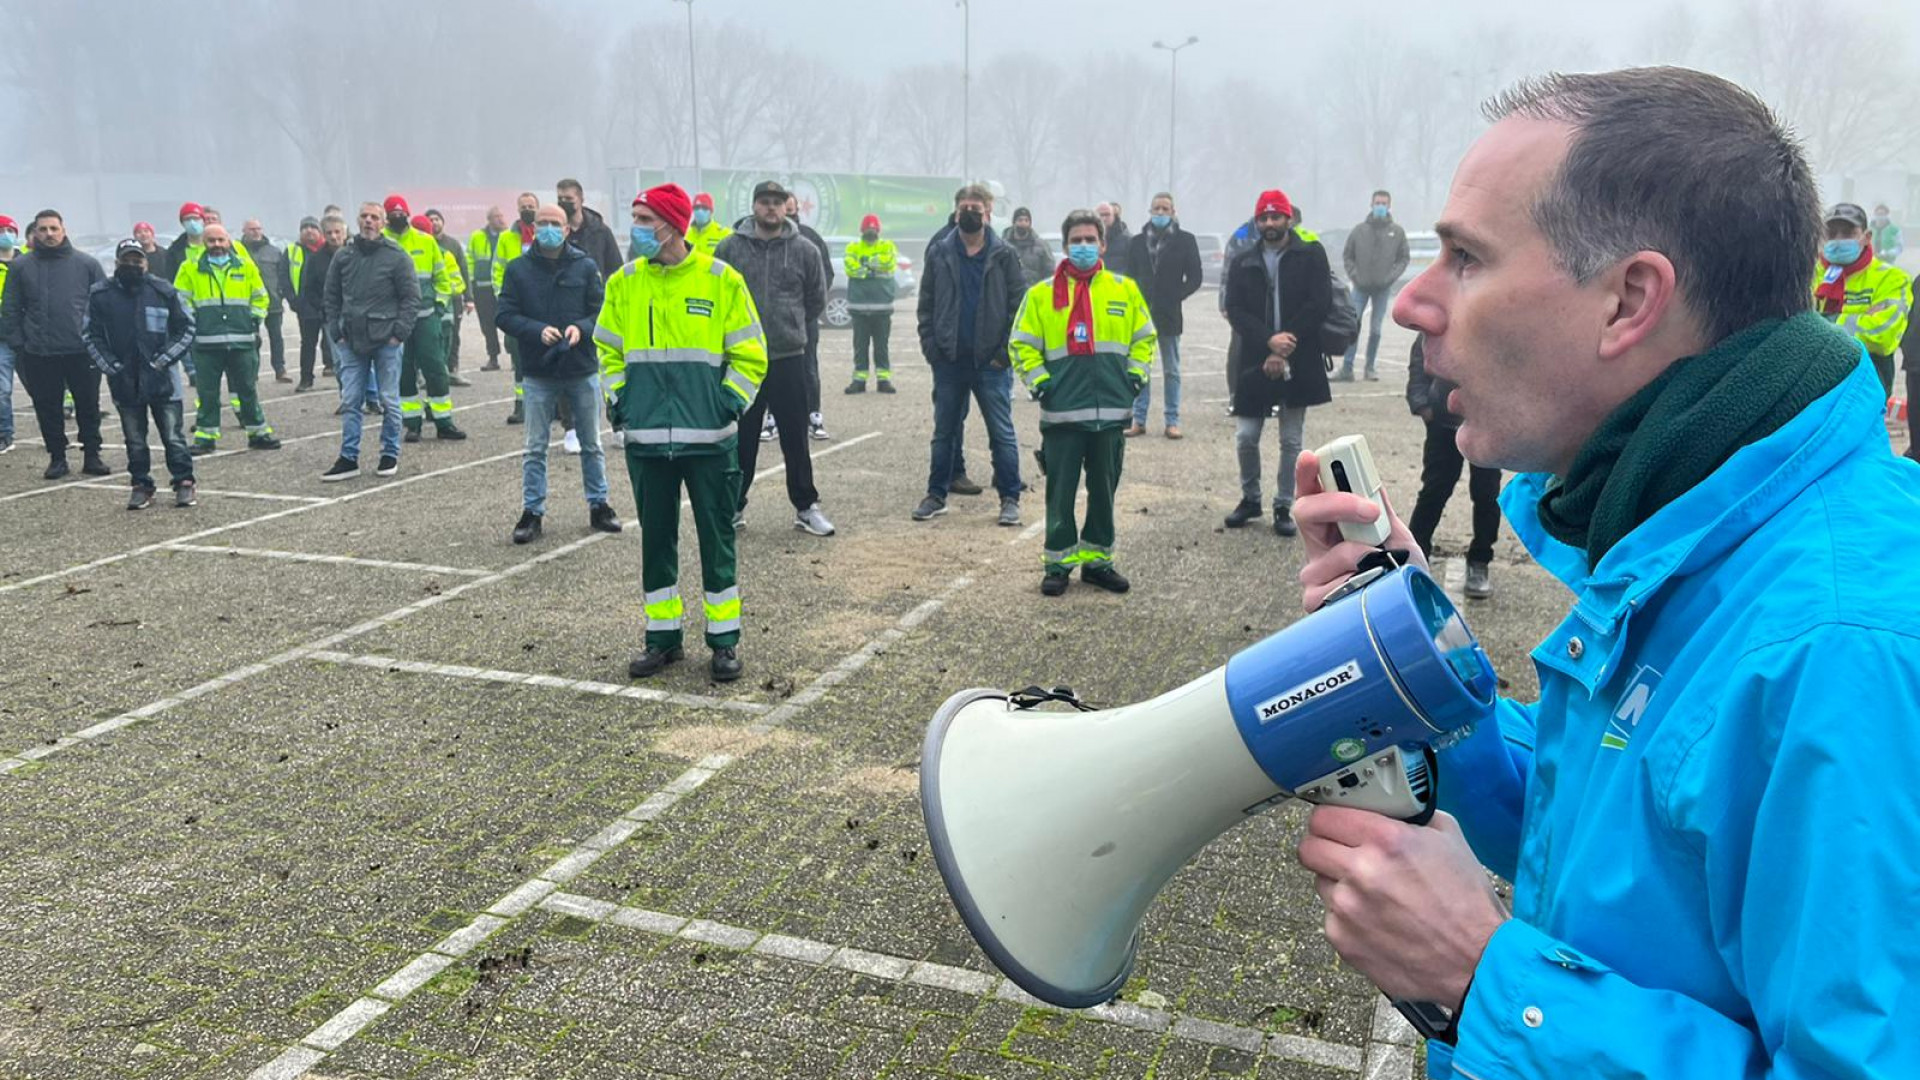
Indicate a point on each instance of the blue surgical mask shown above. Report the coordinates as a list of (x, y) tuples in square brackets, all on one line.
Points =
[(645, 243), (195, 227), (219, 260), (549, 237), (1841, 252), (702, 215), (8, 239), (1381, 210), (1083, 255), (1161, 221)]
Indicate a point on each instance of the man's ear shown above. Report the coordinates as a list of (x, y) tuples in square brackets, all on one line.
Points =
[(1642, 296)]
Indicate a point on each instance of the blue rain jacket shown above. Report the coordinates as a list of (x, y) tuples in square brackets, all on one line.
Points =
[(1712, 815)]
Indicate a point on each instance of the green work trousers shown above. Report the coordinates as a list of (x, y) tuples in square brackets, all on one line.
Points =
[(1071, 449), (424, 359), (712, 483), (240, 367)]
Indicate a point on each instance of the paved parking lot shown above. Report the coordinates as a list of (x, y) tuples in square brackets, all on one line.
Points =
[(334, 780)]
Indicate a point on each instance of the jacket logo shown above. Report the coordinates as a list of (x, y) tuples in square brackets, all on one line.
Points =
[(702, 308), (1117, 308), (1312, 690), (1632, 706)]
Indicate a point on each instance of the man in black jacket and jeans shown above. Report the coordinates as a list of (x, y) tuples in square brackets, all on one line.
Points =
[(1440, 464), (548, 304), (1278, 294), (969, 295), (1166, 263), (372, 301), (40, 318), (138, 333)]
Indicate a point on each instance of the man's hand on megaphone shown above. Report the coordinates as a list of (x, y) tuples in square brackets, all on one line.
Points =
[(1407, 905), (1332, 559)]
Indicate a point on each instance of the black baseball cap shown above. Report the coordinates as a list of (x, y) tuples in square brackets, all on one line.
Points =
[(1849, 213), (129, 245), (770, 188)]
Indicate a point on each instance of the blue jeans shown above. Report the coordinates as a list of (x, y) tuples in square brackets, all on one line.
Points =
[(360, 374), (542, 399), (955, 386), (1169, 363), (6, 393), (1381, 299)]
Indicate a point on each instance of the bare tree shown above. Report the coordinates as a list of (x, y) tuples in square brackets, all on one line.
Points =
[(923, 116), (1020, 120)]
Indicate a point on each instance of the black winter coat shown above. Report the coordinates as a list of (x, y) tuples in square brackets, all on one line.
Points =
[(136, 336), (1306, 295), (1119, 249), (596, 239), (373, 296), (46, 300), (539, 292), (1169, 279), (938, 313)]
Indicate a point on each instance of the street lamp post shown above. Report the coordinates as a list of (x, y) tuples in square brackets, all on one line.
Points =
[(966, 89), (1173, 98), (693, 94)]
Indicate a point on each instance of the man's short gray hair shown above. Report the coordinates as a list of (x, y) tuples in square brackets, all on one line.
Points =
[(1684, 163)]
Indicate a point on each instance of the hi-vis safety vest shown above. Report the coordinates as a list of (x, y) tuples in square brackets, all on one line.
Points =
[(681, 354), (226, 302), (439, 279), (705, 239), (870, 269), (1095, 390), (1879, 301), (480, 251), (509, 248)]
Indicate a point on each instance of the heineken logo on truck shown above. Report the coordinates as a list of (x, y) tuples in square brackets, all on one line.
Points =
[(1312, 690)]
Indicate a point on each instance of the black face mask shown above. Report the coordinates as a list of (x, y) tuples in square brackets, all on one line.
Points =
[(970, 221), (869, 237), (1272, 233), (129, 275), (526, 217), (569, 206), (397, 222)]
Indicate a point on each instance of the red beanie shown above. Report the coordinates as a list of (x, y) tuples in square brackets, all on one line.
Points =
[(871, 221), (395, 202), (703, 199), (1274, 201), (8, 223), (191, 209), (670, 202), (423, 223)]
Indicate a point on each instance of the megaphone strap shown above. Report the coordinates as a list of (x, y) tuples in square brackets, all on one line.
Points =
[(1034, 696)]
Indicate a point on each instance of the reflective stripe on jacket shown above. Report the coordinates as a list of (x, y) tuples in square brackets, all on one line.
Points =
[(433, 269), (1093, 390), (870, 269), (1879, 302), (227, 303), (480, 250), (682, 354)]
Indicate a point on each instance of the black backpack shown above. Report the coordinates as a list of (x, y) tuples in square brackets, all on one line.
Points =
[(1342, 327)]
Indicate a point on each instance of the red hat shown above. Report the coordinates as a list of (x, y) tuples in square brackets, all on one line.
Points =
[(1271, 202), (395, 202), (423, 223), (191, 209), (670, 202), (8, 223), (703, 199), (871, 221)]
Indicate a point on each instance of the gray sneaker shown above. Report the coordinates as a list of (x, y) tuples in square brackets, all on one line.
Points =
[(1009, 510), (811, 520), (929, 509), (1479, 584)]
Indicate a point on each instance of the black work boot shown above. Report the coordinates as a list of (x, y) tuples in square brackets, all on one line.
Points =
[(519, 413), (725, 666), (651, 661), (1054, 585), (94, 465), (1243, 513), (528, 529), (1103, 575)]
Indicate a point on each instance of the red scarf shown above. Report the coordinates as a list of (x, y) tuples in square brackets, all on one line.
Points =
[(1832, 290), (526, 234), (1080, 322)]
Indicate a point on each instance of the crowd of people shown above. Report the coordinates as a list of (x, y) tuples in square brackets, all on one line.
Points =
[(703, 330)]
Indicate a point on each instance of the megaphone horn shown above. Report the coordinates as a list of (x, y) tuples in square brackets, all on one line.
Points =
[(1055, 830)]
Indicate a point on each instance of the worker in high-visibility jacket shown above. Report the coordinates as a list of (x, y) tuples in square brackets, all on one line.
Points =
[(706, 233), (1083, 343), (1863, 296), (511, 244), (682, 355), (480, 249), (228, 302), (870, 292), (424, 360)]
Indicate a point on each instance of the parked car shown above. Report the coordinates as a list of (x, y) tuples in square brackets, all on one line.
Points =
[(1213, 256), (836, 316)]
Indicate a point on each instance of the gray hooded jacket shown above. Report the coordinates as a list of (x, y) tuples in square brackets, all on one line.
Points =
[(786, 279)]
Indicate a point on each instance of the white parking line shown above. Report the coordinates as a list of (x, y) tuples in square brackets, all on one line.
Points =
[(337, 560), (521, 678), (971, 983), (103, 485), (35, 753)]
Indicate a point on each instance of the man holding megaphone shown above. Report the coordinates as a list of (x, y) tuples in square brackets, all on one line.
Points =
[(1709, 816)]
